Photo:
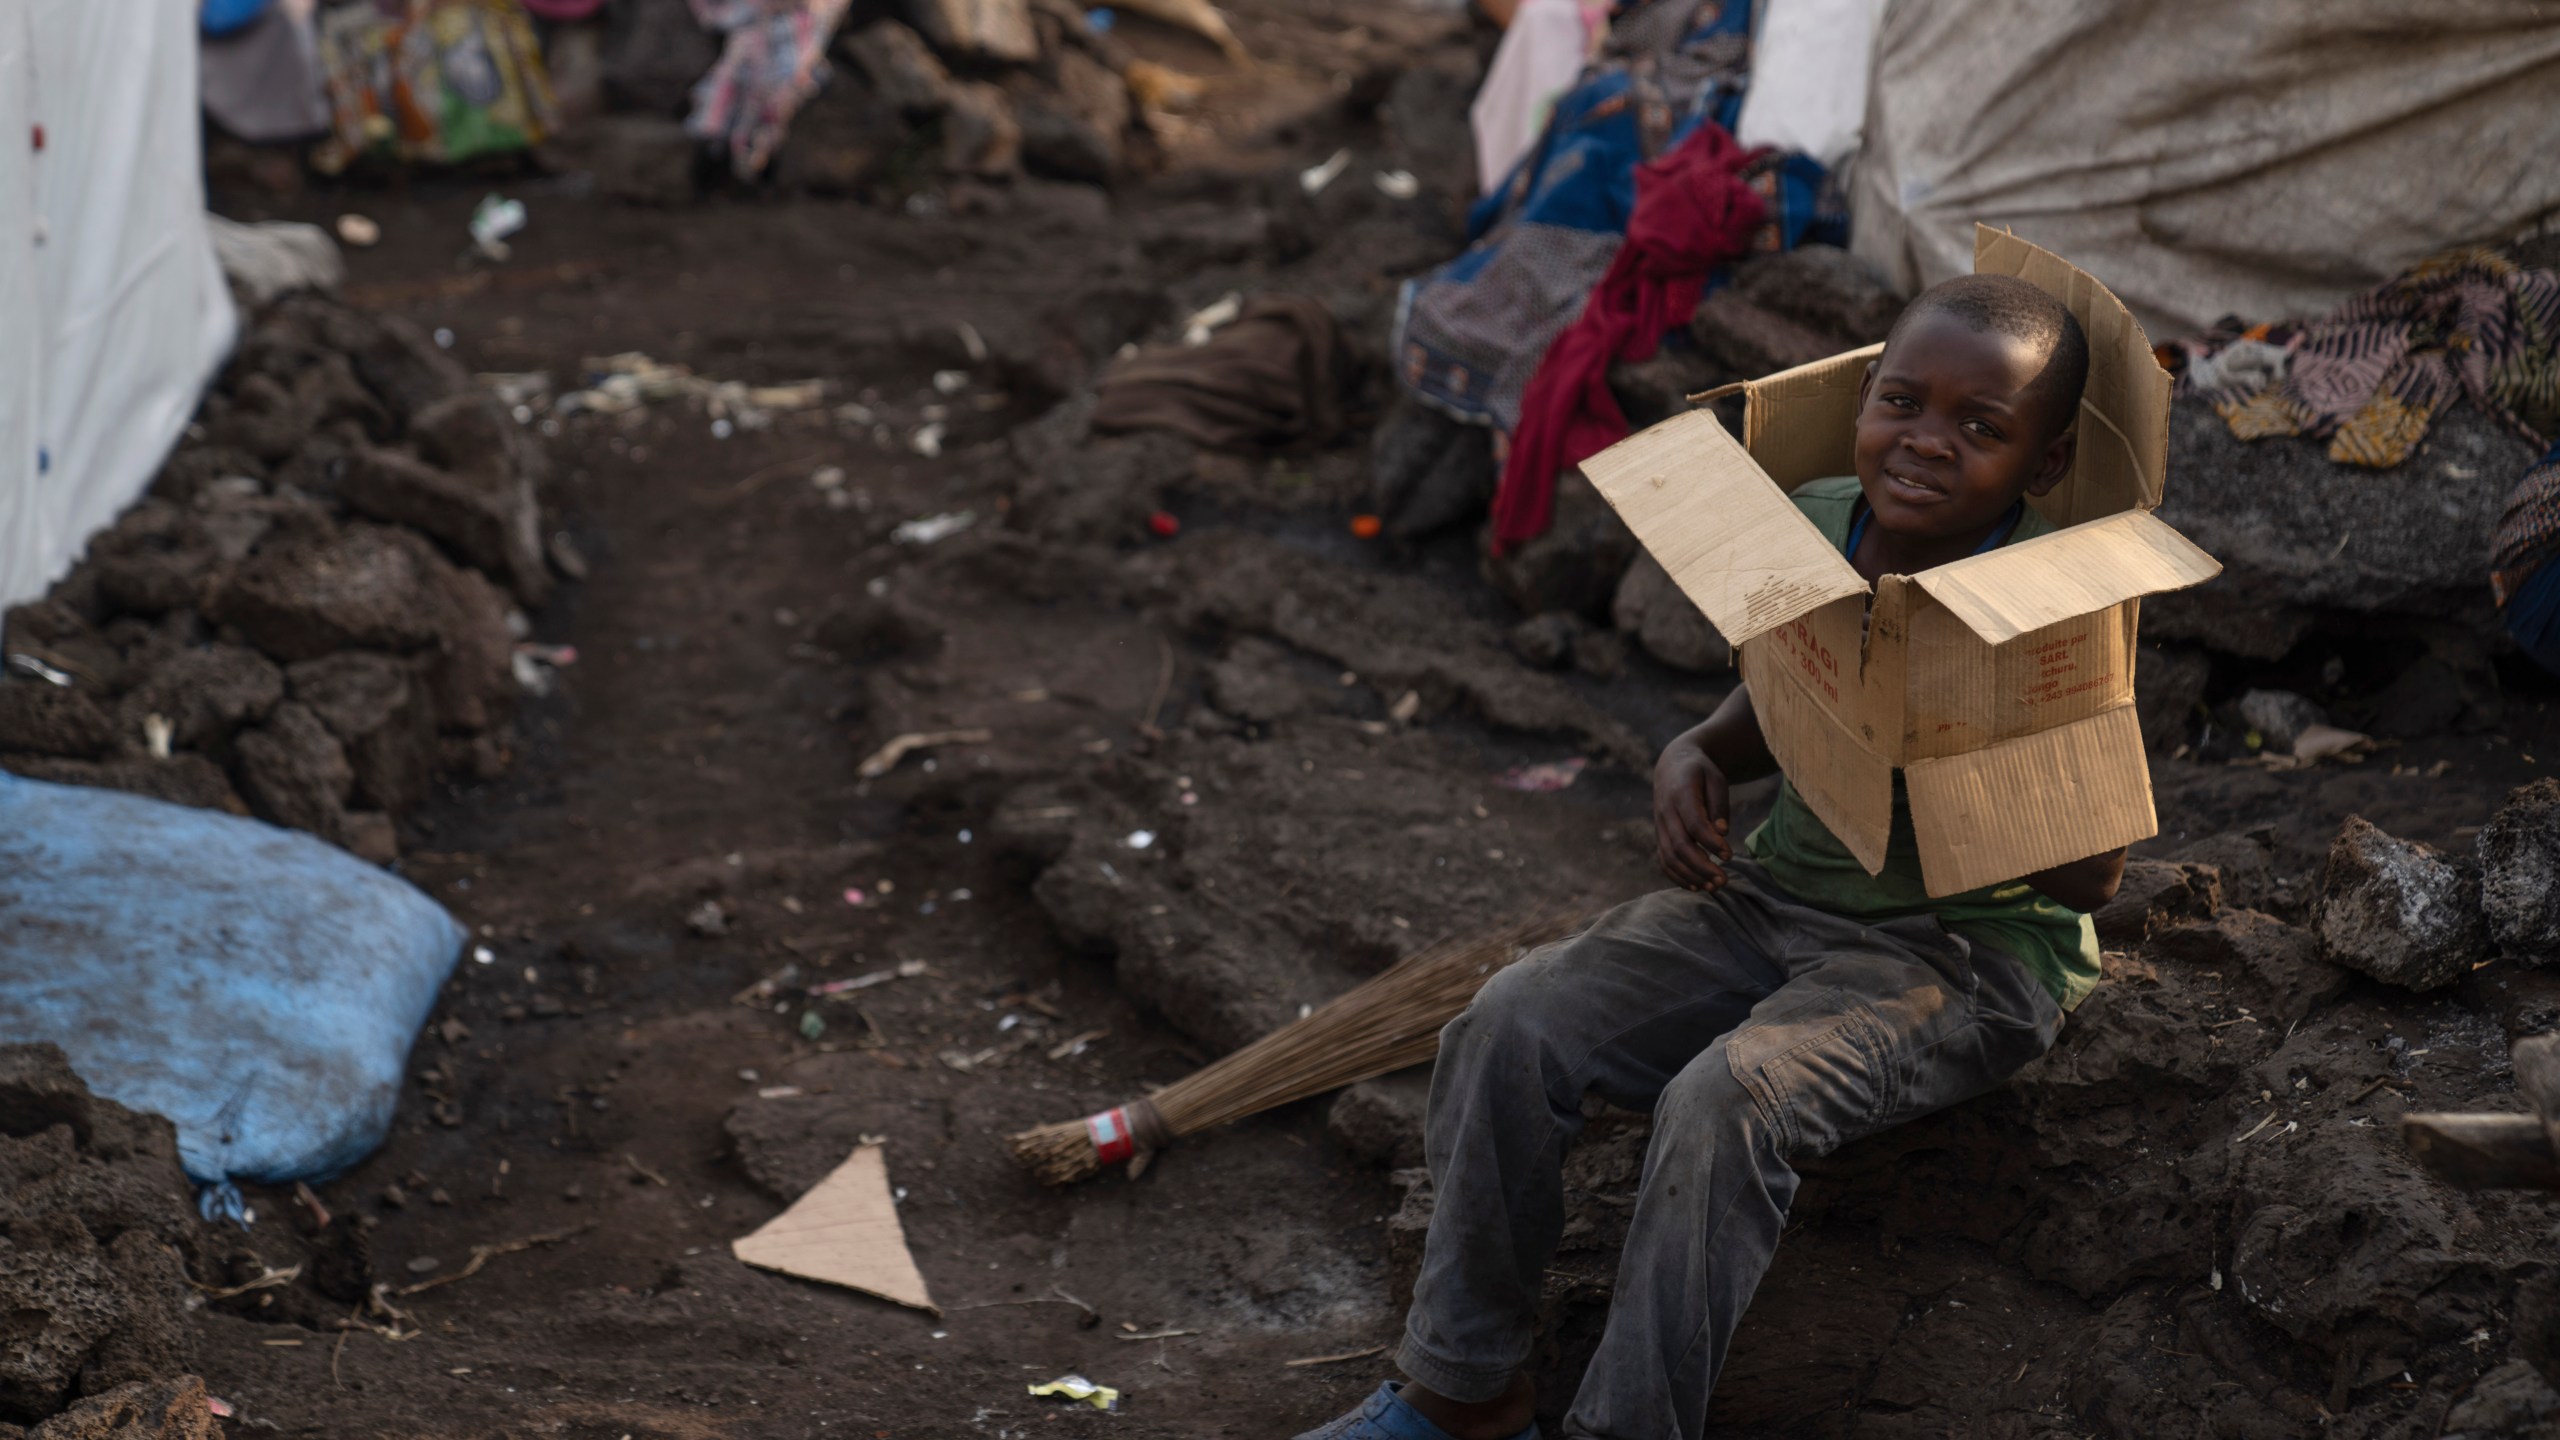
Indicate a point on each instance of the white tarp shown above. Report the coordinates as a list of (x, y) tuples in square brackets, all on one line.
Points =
[(112, 310), (1809, 71), (2265, 158)]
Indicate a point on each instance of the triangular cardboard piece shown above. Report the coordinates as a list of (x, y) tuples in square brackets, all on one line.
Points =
[(845, 1231)]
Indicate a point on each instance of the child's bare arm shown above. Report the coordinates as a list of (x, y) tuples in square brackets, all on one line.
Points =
[(1692, 816), (2082, 884)]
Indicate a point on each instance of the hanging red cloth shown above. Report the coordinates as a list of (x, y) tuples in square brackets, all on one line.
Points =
[(1693, 212)]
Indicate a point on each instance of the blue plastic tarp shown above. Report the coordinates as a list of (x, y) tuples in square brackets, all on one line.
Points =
[(257, 986)]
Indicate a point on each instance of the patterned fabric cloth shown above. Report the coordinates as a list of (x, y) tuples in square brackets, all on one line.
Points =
[(775, 58), (2372, 376), (2528, 538), (1470, 334), (431, 80)]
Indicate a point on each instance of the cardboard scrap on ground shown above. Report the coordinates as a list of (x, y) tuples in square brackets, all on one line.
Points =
[(845, 1231), (2000, 685)]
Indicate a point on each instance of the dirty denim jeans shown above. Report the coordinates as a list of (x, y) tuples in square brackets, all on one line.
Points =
[(1759, 1031)]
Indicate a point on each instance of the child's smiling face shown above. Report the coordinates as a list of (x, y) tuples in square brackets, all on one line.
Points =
[(1953, 428)]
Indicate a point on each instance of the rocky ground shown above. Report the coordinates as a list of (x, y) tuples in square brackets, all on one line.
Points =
[(2194, 1217)]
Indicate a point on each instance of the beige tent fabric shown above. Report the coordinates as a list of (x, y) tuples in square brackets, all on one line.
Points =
[(2265, 158)]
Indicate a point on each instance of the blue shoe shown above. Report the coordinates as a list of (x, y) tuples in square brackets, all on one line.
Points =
[(1386, 1416)]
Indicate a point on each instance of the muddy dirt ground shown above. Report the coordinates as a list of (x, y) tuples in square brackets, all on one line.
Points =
[(610, 1077)]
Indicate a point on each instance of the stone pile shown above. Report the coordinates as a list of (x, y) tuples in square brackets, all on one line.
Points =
[(2414, 916), (307, 618)]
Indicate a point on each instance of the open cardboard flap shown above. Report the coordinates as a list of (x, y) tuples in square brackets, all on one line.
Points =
[(845, 1231), (2054, 577), (1734, 544)]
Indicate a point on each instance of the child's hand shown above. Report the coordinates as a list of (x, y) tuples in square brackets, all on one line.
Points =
[(1690, 816)]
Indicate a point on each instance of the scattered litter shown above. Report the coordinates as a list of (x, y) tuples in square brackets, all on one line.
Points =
[(221, 1408), (483, 955), (483, 1254), (1315, 178), (1164, 523), (780, 1092), (903, 970), (1140, 839), (359, 231), (1335, 1359), (927, 442), (1207, 319), (631, 380), (966, 1063), (1407, 705), (1076, 1045), (708, 919), (533, 665), (1367, 527), (812, 1024), (845, 1231), (425, 1265), (1100, 20), (886, 758), (1157, 1335), (761, 993), (1076, 1387), (853, 895), (157, 731), (28, 665), (1542, 778), (1398, 184), (950, 382), (493, 221), (932, 528)]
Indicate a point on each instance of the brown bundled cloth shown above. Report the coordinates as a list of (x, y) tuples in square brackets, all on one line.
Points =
[(1271, 378)]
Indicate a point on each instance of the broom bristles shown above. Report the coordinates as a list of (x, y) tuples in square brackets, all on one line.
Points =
[(1390, 1022)]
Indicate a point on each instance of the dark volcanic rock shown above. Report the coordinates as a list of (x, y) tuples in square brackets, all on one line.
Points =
[(2168, 685), (1074, 128), (204, 693), (1649, 607), (91, 1199), (182, 779), (2399, 911), (295, 773), (40, 718), (902, 69), (2519, 852), (364, 587), (172, 1409), (377, 707), (487, 515), (2299, 537), (1577, 564), (2156, 892)]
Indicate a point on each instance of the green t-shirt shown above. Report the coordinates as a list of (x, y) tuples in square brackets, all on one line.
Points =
[(1800, 853)]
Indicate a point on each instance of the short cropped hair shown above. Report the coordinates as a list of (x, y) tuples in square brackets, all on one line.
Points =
[(2006, 305)]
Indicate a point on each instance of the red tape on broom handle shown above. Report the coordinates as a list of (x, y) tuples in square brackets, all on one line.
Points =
[(1112, 1142)]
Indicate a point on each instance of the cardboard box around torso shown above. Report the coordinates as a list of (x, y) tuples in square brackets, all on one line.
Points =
[(2000, 685)]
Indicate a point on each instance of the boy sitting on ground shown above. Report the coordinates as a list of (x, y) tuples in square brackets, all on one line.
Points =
[(1781, 1002)]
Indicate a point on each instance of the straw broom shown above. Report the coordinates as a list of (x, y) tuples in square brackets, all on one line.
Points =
[(1391, 1021)]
